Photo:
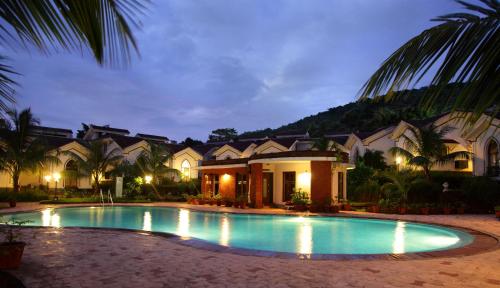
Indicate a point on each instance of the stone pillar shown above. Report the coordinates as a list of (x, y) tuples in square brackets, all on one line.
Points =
[(256, 185), (321, 181)]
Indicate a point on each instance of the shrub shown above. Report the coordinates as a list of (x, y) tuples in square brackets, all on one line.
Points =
[(25, 195), (424, 191), (358, 176), (366, 192), (300, 197), (481, 193), (454, 179)]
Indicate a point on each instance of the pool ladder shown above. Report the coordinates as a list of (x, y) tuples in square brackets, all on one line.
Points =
[(109, 197)]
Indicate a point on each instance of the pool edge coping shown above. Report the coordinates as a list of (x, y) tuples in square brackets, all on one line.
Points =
[(483, 242)]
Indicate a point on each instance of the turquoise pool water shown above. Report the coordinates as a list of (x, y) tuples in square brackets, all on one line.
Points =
[(300, 235)]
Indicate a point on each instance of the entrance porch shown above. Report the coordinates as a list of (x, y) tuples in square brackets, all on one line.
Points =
[(271, 179)]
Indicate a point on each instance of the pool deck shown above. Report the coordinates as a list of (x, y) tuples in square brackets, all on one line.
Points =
[(106, 258)]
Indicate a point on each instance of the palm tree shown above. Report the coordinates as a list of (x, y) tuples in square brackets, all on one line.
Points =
[(103, 27), (153, 161), (464, 49), (399, 182), (325, 144), (374, 159), (96, 161), (426, 148), (20, 151)]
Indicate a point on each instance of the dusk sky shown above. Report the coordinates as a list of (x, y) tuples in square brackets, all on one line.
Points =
[(213, 64)]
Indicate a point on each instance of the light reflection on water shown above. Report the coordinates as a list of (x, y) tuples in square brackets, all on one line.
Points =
[(183, 223), (50, 219), (398, 246), (146, 226), (224, 233), (305, 238)]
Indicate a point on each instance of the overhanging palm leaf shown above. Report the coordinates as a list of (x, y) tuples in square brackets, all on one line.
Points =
[(101, 26), (463, 47)]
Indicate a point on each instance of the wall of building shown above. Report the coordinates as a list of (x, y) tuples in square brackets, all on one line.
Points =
[(302, 177), (383, 144), (192, 157), (480, 149)]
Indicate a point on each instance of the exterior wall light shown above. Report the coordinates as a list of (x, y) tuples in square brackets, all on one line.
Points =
[(148, 179), (304, 179), (226, 177)]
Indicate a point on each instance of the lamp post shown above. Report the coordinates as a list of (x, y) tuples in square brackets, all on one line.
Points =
[(47, 179), (398, 162), (148, 179), (56, 177)]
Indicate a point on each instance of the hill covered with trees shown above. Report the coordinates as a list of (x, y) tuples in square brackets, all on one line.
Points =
[(365, 115)]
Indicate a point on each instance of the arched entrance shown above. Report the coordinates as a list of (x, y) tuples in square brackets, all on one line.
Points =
[(71, 174), (186, 170), (492, 158)]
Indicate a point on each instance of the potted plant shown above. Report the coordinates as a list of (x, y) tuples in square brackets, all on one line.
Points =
[(346, 205), (300, 200), (241, 201), (228, 202), (425, 209), (402, 209), (11, 250), (497, 211), (211, 201), (460, 207), (218, 199), (375, 208), (446, 209), (334, 208)]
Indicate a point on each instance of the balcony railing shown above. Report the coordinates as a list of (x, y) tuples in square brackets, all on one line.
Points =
[(493, 171)]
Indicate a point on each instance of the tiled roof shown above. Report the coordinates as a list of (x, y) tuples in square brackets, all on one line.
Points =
[(124, 141), (286, 142), (54, 142), (240, 145), (339, 139), (151, 137), (51, 129), (204, 149), (173, 148), (110, 129)]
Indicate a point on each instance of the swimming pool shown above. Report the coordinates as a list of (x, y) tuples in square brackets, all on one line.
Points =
[(290, 234)]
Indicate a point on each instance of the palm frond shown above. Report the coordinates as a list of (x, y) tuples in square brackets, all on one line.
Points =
[(102, 26), (450, 157), (463, 47), (398, 151)]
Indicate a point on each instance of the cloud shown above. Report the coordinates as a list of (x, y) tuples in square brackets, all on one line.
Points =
[(247, 64)]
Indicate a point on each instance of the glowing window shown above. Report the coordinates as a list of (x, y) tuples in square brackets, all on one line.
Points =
[(186, 169)]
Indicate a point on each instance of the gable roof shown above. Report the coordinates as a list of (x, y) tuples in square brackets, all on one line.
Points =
[(240, 145), (151, 137), (341, 139), (285, 142), (54, 142), (204, 149), (123, 141), (109, 129), (44, 130)]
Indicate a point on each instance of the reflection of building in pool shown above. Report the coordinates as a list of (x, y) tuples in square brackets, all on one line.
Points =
[(265, 170)]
